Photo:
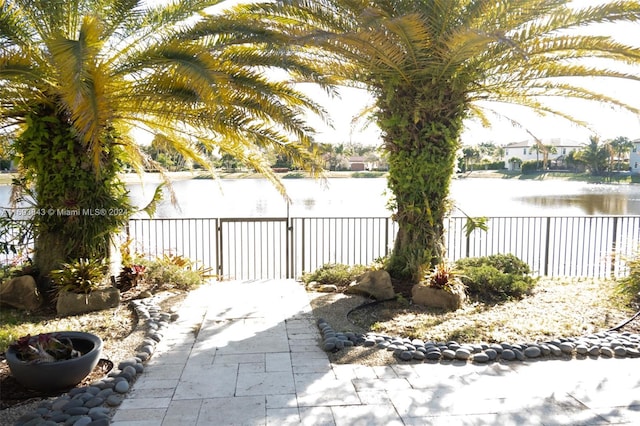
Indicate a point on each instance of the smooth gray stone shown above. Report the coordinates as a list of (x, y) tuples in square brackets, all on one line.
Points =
[(433, 355), (122, 386), (519, 354), (567, 347), (480, 357), (582, 349), (555, 350), (606, 352), (633, 352), (491, 353), (448, 354), (532, 352), (496, 347), (620, 351), (406, 355), (420, 356), (545, 350), (114, 400), (508, 355), (463, 354)]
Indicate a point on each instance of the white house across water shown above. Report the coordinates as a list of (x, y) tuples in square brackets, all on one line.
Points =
[(634, 157), (527, 151)]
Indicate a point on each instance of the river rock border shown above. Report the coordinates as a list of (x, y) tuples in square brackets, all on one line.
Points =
[(92, 405), (607, 344)]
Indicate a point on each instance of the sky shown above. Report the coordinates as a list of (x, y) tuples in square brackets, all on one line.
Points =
[(604, 121)]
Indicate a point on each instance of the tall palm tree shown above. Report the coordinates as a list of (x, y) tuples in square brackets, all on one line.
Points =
[(594, 155), (546, 150), (431, 64), (78, 78), (621, 147)]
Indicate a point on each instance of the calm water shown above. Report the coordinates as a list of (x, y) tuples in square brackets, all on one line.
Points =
[(367, 197)]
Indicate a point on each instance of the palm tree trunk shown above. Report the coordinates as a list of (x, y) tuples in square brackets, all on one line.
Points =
[(422, 144), (80, 207)]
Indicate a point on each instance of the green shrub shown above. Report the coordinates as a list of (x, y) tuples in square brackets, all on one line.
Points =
[(496, 278), (173, 271), (629, 286), (531, 166), (334, 273), (295, 175), (367, 174), (507, 263)]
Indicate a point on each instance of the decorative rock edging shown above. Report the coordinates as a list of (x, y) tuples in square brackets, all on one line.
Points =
[(607, 344), (91, 405)]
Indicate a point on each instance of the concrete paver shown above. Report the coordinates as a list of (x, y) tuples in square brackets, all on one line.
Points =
[(247, 353)]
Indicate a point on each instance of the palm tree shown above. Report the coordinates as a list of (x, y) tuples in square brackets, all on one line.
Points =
[(431, 64), (79, 78), (546, 150), (470, 153), (621, 147), (594, 155)]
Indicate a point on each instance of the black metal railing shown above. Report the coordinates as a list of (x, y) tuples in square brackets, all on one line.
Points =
[(262, 248)]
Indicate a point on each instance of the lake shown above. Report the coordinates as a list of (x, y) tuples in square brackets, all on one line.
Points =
[(343, 197)]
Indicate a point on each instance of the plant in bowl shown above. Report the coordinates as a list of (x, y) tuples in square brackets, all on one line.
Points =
[(46, 347), (53, 361)]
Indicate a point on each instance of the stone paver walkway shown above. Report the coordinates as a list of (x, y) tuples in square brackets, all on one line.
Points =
[(247, 353)]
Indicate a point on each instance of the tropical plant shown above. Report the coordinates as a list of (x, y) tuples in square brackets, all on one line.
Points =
[(445, 277), (81, 80), (431, 64), (129, 277), (594, 155), (46, 347), (80, 276)]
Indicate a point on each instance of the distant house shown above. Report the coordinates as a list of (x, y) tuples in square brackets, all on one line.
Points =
[(526, 151), (357, 164), (634, 157)]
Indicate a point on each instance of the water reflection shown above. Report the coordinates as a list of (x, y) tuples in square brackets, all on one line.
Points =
[(589, 204), (366, 198)]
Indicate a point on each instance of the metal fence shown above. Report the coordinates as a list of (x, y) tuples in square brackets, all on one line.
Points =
[(250, 248)]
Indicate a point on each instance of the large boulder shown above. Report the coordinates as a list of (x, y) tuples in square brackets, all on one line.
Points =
[(433, 297), (376, 284), (21, 293), (69, 303)]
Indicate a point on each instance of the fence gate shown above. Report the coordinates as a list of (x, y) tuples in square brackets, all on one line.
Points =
[(252, 250)]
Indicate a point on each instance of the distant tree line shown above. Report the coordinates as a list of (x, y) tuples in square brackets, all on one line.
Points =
[(336, 157), (595, 157)]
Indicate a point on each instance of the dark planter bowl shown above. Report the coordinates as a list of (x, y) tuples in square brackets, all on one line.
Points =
[(51, 376)]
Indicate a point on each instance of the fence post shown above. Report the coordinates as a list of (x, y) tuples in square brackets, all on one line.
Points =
[(614, 240), (467, 250), (386, 237), (546, 247), (219, 256), (289, 246)]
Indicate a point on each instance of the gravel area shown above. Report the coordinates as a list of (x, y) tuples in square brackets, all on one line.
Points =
[(558, 311)]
